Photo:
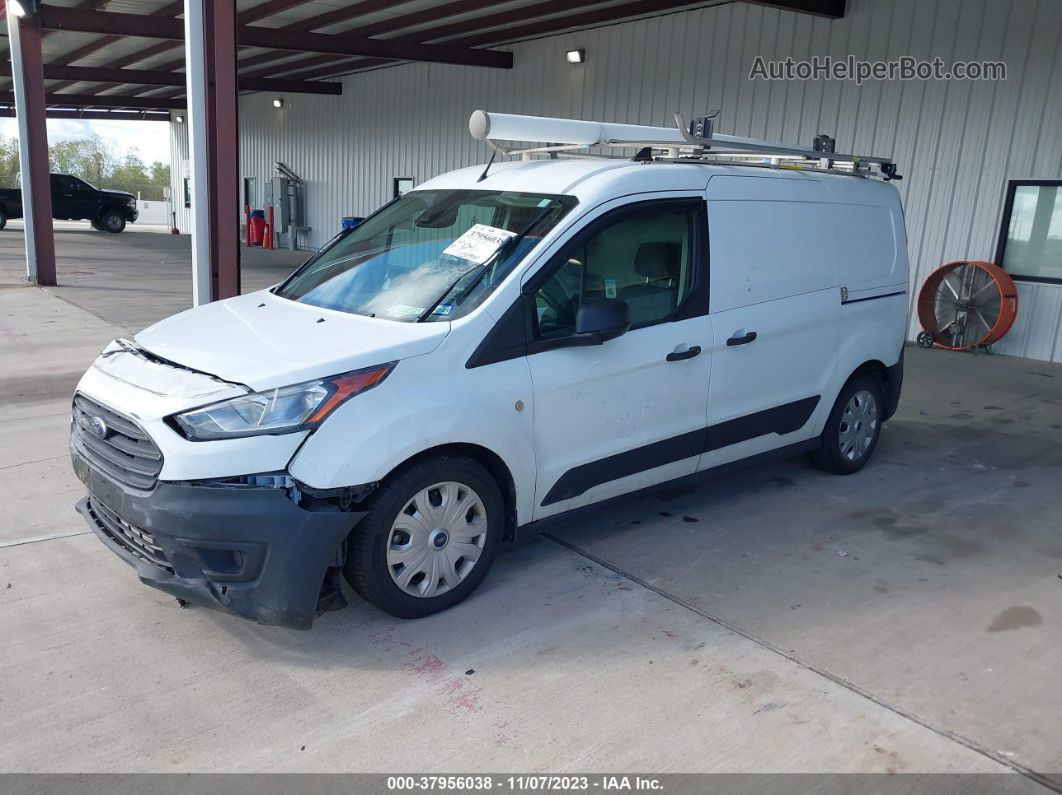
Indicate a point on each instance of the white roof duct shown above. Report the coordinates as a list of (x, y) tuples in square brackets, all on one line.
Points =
[(486, 126)]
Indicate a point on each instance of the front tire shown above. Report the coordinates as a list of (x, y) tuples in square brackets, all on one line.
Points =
[(96, 225), (431, 534), (113, 222), (853, 427)]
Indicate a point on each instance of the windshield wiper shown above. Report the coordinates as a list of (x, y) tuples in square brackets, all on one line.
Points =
[(435, 304), (504, 248)]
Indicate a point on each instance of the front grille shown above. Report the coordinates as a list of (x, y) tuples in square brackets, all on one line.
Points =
[(138, 541), (123, 451)]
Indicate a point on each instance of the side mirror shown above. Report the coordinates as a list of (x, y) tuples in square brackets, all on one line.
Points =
[(601, 319)]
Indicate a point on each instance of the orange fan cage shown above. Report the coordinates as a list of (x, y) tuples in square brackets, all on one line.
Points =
[(967, 304)]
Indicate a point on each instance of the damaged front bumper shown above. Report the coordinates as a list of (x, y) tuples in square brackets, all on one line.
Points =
[(250, 550)]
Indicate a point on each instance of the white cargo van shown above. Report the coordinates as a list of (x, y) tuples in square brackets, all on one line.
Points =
[(502, 345)]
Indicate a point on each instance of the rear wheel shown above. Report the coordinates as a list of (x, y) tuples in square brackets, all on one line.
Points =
[(430, 537), (3, 219), (112, 221), (853, 427)]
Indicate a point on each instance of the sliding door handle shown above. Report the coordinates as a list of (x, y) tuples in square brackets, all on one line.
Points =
[(689, 353), (742, 340)]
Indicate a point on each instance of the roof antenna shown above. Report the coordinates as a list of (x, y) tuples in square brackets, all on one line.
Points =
[(493, 154)]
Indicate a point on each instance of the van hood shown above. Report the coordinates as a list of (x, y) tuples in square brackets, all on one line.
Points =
[(264, 341)]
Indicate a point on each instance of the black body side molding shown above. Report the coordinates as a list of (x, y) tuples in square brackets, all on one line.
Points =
[(780, 420), (873, 297)]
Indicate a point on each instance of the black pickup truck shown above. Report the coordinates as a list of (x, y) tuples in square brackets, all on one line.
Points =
[(73, 199)]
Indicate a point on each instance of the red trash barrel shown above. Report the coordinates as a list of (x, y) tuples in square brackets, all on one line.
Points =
[(258, 226)]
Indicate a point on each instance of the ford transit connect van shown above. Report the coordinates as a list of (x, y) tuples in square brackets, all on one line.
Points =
[(494, 348)]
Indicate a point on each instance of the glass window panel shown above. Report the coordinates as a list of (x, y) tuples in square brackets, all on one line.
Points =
[(1033, 246), (643, 259)]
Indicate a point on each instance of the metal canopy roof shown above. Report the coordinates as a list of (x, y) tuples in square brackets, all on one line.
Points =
[(128, 54)]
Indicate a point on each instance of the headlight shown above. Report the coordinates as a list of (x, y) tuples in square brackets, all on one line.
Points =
[(283, 410)]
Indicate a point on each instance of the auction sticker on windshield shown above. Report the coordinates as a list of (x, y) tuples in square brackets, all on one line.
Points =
[(479, 243)]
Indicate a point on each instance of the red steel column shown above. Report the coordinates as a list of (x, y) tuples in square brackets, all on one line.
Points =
[(27, 70), (210, 49)]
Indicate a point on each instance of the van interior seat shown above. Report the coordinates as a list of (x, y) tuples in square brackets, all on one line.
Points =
[(659, 265)]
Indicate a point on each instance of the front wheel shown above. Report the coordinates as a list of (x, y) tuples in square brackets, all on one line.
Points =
[(431, 534), (853, 427), (113, 222)]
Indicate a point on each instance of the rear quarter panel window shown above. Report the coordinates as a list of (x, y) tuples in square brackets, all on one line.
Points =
[(765, 250), (867, 249)]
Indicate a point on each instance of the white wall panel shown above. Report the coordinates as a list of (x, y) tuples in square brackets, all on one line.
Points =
[(956, 142)]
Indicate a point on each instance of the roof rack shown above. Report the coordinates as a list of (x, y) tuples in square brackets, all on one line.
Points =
[(693, 143)]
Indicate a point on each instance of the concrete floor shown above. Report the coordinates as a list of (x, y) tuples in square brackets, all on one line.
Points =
[(137, 277), (903, 619)]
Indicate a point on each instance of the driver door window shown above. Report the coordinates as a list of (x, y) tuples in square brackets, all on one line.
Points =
[(643, 256)]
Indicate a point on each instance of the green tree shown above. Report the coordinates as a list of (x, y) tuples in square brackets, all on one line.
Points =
[(96, 161), (8, 161)]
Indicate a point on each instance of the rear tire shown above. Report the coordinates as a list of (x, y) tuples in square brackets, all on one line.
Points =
[(3, 219), (113, 222), (853, 427), (438, 519)]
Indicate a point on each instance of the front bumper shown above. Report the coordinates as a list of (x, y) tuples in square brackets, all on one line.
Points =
[(244, 550)]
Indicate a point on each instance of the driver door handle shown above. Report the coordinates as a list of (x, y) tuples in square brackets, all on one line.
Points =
[(689, 353), (743, 340)]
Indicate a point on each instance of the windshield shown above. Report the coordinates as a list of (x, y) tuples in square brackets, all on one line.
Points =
[(430, 255)]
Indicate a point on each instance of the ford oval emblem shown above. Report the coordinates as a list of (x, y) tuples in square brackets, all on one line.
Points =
[(98, 427)]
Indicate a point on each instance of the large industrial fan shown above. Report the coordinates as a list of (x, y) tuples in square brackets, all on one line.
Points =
[(966, 305)]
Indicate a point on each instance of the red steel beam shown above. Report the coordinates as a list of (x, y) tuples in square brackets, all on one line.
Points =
[(214, 148), (172, 10), (40, 240), (144, 115), (98, 101), (312, 23), (61, 18), (831, 9), (381, 26), (517, 24), (97, 74), (223, 149), (169, 10), (93, 4)]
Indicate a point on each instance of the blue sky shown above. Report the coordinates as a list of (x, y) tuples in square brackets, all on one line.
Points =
[(150, 138)]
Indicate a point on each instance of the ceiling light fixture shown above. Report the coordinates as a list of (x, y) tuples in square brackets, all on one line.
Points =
[(15, 7), (278, 102), (179, 119), (576, 56)]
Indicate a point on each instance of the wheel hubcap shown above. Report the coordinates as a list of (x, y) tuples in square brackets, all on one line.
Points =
[(436, 539), (859, 424)]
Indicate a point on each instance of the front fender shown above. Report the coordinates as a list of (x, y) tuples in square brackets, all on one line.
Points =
[(427, 402)]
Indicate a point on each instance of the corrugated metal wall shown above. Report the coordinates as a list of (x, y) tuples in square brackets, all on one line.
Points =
[(956, 142), (178, 171)]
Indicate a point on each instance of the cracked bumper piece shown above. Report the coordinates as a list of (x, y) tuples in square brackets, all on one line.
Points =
[(248, 551)]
